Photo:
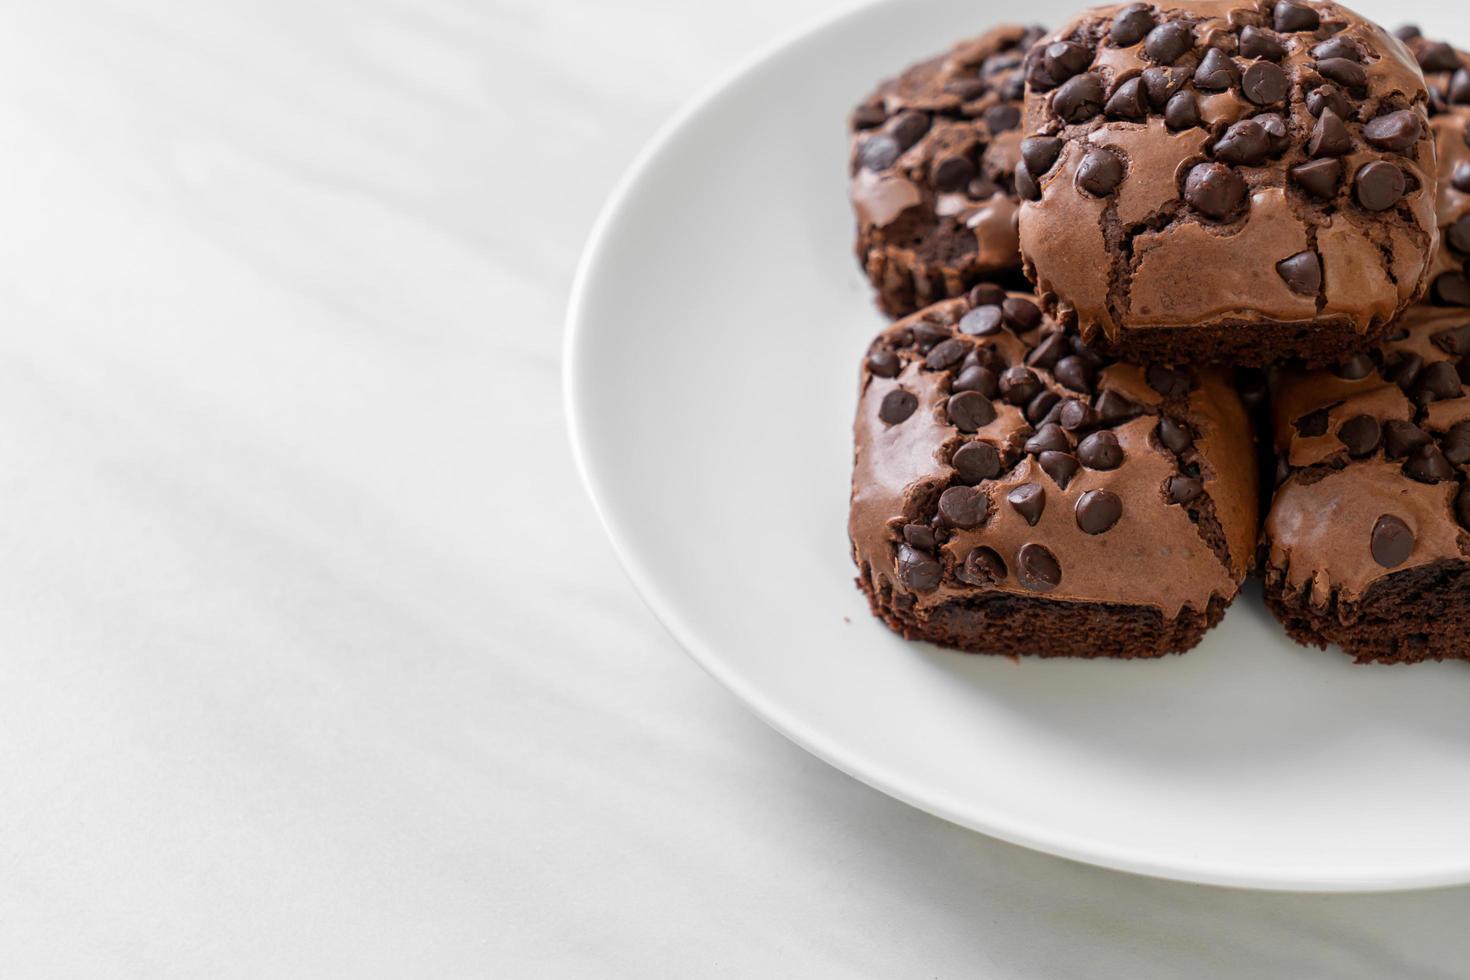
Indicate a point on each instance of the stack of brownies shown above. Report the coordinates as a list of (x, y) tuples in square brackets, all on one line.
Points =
[(1169, 269)]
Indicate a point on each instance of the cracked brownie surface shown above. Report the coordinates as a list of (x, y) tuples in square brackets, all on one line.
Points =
[(1227, 181)]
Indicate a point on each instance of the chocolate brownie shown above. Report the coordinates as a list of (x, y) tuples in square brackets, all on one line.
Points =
[(1227, 180), (1016, 493), (934, 156), (1366, 544)]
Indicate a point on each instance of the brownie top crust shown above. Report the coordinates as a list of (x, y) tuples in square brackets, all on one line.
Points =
[(1195, 164)]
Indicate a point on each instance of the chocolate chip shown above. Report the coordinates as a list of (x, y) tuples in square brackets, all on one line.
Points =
[(1027, 186), (1075, 373), (1174, 437), (1040, 153), (1132, 25), (1063, 59), (879, 152), (983, 567), (1458, 235), (970, 411), (968, 89), (1129, 101), (1168, 42), (1455, 341), (1337, 47), (1264, 83), (1049, 438), (1325, 97), (977, 378), (1289, 16), (1361, 435), (897, 406), (1077, 416), (1161, 84), (1380, 186), (1245, 144), (1408, 32), (1061, 467), (982, 321), (1438, 57), (1459, 93), (1100, 451), (926, 335), (1320, 178), (987, 294), (920, 536), (1098, 511), (946, 355), (1456, 444), (1313, 424), (1167, 381), (1401, 438), (1185, 489), (1002, 119), (1216, 72), (1256, 43), (1428, 465), (1079, 98), (1019, 385), (1278, 138), (1028, 500), (953, 173), (884, 364), (869, 116), (917, 571), (909, 128), (1037, 569), (1021, 315), (1182, 112), (1349, 74), (1394, 131), (1215, 190), (964, 507), (1404, 370), (977, 461), (1439, 382), (1330, 137), (1049, 351), (1302, 273), (1113, 408), (1355, 368), (1393, 542), (1039, 409), (1452, 289)]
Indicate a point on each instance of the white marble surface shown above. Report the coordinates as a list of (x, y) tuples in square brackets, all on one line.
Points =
[(315, 661)]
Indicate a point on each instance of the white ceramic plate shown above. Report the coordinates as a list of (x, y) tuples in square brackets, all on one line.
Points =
[(713, 345)]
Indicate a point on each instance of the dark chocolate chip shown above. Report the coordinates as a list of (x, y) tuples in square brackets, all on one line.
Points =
[(1100, 451), (1380, 186), (946, 355), (1039, 409), (976, 461), (1215, 190), (1289, 16), (917, 571), (1458, 235), (897, 406), (1330, 137), (1438, 57), (1037, 568), (1040, 153), (1098, 511), (1428, 465), (1002, 119), (1075, 373), (1361, 435), (1167, 43), (1018, 385), (1394, 131), (1113, 408), (909, 128), (983, 567), (1027, 186), (1182, 112), (953, 173), (1079, 98), (1185, 489), (1129, 101), (1325, 97), (883, 363), (1349, 74), (879, 152), (982, 321), (1245, 144), (1337, 47), (1028, 500), (1319, 178), (1167, 381), (1355, 368), (1302, 273), (1257, 43), (1061, 467), (987, 294), (1021, 315), (1162, 84), (1313, 424), (970, 411), (1174, 437), (1216, 72), (1049, 438), (1456, 444), (1401, 438), (1049, 351), (1393, 542), (1455, 341), (977, 378), (1264, 83), (1064, 59), (1439, 382), (869, 117), (1404, 370), (920, 536), (1077, 416), (964, 507), (1408, 32), (968, 89), (1459, 93), (1277, 135), (1452, 289), (1131, 25)]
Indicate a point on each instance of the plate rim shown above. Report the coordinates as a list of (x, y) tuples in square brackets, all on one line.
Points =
[(983, 820)]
